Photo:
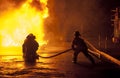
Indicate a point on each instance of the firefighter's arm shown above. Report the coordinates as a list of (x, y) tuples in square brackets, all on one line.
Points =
[(73, 45)]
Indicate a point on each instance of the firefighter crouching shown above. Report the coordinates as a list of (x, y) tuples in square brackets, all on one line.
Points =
[(78, 45)]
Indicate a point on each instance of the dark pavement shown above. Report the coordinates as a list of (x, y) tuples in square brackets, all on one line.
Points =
[(84, 68), (60, 66)]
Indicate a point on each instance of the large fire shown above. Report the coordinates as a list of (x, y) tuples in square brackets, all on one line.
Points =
[(16, 24)]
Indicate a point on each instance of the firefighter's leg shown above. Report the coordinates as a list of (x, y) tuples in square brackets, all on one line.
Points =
[(85, 52), (75, 56)]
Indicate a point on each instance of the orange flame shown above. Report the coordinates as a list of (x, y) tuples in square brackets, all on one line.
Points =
[(15, 25)]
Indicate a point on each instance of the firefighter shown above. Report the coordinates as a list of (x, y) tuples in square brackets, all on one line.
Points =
[(78, 45), (29, 47)]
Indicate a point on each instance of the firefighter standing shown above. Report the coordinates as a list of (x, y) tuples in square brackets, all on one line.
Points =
[(29, 47), (78, 45)]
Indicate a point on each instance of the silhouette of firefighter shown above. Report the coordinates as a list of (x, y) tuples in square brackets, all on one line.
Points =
[(29, 47), (78, 45)]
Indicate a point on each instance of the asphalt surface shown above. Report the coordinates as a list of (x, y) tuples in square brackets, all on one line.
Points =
[(60, 66), (84, 68)]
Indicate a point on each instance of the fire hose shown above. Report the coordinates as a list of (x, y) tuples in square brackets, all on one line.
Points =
[(92, 50), (101, 55), (56, 54)]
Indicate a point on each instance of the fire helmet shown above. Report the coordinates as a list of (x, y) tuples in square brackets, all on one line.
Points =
[(77, 33), (31, 36)]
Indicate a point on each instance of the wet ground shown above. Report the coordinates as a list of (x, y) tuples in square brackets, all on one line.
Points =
[(57, 67)]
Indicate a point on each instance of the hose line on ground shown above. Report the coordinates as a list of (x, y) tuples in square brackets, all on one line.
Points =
[(103, 54), (92, 50), (56, 54)]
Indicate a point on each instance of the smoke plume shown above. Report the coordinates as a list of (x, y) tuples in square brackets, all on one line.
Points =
[(90, 17)]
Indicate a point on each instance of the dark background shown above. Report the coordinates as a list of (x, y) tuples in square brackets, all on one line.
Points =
[(90, 17)]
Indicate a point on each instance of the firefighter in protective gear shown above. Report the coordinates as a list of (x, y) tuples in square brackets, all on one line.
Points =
[(29, 47), (78, 45)]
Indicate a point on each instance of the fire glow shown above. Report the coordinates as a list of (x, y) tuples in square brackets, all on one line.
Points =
[(16, 24)]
